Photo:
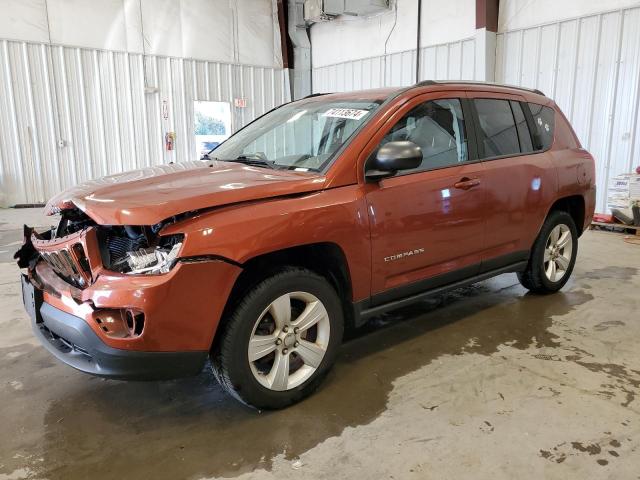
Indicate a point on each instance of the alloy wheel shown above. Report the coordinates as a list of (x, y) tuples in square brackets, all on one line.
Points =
[(558, 252), (289, 341)]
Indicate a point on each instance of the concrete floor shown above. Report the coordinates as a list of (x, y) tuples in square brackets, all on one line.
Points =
[(485, 382)]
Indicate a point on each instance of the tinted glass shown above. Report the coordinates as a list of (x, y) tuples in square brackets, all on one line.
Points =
[(438, 128), (497, 128), (543, 119), (523, 129)]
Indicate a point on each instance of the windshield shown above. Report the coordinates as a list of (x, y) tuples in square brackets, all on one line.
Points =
[(301, 135)]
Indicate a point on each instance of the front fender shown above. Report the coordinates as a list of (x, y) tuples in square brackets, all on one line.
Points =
[(241, 232)]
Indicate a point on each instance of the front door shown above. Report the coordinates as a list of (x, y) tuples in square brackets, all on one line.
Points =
[(427, 223)]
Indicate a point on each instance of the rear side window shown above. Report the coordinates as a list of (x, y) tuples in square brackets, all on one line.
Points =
[(498, 132), (544, 124)]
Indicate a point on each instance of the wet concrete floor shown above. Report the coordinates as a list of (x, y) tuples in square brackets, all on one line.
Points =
[(484, 382)]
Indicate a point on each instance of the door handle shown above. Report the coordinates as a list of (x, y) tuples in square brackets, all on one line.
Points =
[(466, 183)]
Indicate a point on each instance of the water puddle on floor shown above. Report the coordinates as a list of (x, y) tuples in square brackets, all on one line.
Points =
[(189, 428)]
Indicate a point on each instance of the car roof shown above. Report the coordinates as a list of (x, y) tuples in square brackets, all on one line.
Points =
[(382, 94)]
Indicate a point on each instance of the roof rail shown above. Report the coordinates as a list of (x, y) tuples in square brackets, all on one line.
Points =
[(426, 83), (315, 95)]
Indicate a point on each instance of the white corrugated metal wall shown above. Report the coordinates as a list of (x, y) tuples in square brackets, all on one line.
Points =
[(454, 60), (70, 114), (591, 67)]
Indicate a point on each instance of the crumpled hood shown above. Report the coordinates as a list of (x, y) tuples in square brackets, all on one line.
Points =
[(150, 195)]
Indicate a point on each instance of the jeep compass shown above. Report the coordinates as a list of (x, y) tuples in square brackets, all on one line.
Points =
[(314, 217)]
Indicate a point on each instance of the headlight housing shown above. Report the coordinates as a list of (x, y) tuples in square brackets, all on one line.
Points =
[(152, 260), (132, 252)]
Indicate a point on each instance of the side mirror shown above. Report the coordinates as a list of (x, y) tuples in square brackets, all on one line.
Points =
[(392, 157)]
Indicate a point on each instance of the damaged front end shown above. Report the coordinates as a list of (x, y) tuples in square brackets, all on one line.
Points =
[(112, 300), (78, 249)]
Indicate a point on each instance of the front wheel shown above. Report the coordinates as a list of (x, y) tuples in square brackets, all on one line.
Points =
[(280, 341), (553, 255)]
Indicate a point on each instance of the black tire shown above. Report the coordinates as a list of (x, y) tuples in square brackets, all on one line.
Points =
[(229, 358), (534, 277)]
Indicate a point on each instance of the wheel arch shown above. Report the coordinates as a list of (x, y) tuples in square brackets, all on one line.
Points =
[(326, 259), (574, 205)]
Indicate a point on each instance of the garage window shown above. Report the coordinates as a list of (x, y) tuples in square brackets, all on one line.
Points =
[(498, 132)]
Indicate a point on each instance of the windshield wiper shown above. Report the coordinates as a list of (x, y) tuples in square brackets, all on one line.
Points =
[(253, 161)]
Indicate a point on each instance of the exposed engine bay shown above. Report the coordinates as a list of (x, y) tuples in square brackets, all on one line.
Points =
[(122, 248)]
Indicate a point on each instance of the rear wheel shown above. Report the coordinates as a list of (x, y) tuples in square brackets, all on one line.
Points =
[(553, 255), (280, 341)]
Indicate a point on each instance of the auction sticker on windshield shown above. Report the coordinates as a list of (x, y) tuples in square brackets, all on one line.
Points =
[(351, 113)]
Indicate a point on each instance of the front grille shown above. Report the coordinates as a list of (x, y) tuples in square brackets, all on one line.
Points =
[(73, 257), (70, 263)]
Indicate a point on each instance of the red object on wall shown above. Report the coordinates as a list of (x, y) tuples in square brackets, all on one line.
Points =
[(170, 140)]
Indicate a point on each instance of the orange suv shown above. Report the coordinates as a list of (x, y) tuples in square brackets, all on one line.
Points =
[(316, 216)]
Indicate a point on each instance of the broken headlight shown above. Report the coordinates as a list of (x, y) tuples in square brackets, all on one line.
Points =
[(155, 260), (152, 260)]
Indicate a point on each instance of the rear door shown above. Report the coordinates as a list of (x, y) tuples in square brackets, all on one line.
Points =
[(427, 224), (520, 181)]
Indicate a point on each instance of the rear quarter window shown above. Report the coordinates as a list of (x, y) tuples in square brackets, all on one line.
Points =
[(544, 125)]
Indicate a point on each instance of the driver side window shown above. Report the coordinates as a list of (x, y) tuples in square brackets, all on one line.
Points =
[(437, 127)]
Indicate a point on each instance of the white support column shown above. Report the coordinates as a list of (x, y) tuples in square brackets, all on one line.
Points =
[(486, 28), (485, 55)]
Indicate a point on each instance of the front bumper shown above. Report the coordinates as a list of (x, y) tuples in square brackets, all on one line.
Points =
[(181, 308), (71, 340), (116, 325)]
